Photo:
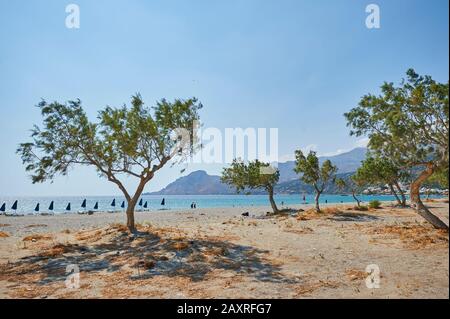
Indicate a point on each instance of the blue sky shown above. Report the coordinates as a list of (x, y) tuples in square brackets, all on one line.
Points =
[(295, 65)]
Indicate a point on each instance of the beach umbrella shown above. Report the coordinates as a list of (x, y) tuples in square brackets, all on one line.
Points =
[(14, 206), (163, 202), (51, 206), (68, 207), (96, 205), (36, 209), (83, 204), (140, 202), (145, 205), (3, 208), (123, 204), (113, 204)]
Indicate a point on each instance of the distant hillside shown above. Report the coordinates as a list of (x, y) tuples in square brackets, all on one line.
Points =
[(296, 186), (345, 162), (196, 183), (201, 183)]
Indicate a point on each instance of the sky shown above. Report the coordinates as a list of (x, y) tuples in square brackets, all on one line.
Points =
[(287, 64)]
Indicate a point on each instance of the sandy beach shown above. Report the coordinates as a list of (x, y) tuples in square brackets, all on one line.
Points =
[(217, 253)]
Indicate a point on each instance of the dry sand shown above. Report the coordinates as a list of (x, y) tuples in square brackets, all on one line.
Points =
[(217, 253)]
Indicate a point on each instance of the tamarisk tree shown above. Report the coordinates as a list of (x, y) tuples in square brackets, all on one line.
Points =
[(252, 175), (353, 183), (314, 174), (375, 170), (409, 125), (136, 141)]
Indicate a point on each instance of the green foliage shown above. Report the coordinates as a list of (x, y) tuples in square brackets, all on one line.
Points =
[(375, 204), (439, 178), (340, 183), (253, 175), (130, 141), (407, 124), (361, 208), (312, 172), (377, 170)]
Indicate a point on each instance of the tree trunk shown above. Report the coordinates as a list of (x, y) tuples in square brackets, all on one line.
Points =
[(130, 215), (402, 194), (421, 209), (356, 198), (395, 194), (132, 204), (272, 201), (317, 201)]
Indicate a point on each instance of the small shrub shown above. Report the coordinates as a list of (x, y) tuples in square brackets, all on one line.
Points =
[(375, 204), (361, 208)]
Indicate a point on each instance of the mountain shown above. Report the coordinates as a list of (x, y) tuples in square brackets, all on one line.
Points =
[(346, 163), (201, 183), (196, 183), (296, 186)]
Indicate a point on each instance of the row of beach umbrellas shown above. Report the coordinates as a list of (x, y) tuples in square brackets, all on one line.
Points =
[(83, 205)]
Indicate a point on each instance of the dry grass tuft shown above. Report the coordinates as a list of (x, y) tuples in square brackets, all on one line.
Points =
[(216, 251), (413, 236), (90, 236), (180, 245), (354, 274), (313, 214), (3, 234), (5, 225), (36, 237), (300, 231), (56, 251), (118, 227), (311, 287)]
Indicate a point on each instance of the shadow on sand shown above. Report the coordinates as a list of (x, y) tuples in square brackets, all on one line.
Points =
[(150, 255), (352, 217)]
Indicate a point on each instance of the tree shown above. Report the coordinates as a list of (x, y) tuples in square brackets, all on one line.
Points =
[(409, 125), (124, 142), (354, 184), (438, 179), (314, 174), (376, 170), (252, 175)]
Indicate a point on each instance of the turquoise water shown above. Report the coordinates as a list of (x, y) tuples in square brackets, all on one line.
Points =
[(26, 205)]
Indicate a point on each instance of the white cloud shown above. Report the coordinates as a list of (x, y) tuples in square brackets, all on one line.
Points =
[(362, 142), (337, 152)]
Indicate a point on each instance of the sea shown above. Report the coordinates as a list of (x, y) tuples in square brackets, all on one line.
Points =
[(27, 205)]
